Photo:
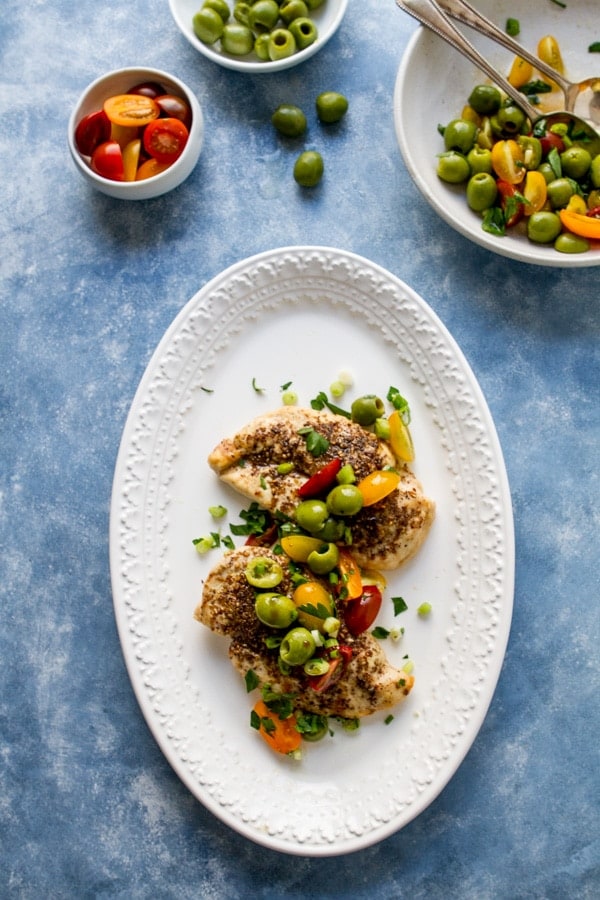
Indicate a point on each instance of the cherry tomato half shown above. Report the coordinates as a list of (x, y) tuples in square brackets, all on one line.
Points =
[(131, 109), (513, 208), (360, 614), (149, 169), (91, 131), (107, 161), (550, 141), (165, 139), (507, 161), (175, 108)]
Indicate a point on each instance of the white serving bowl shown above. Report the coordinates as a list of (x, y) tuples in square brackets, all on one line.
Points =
[(432, 86), (121, 81), (327, 18)]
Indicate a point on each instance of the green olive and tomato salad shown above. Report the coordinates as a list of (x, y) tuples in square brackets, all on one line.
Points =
[(270, 29), (547, 179), (135, 135)]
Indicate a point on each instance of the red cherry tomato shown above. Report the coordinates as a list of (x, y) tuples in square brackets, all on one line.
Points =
[(91, 131), (148, 89), (107, 161), (320, 683), (514, 209), (321, 480), (175, 108), (165, 139), (550, 140), (359, 614)]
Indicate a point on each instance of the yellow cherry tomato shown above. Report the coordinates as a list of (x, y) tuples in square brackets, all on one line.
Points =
[(131, 158), (549, 51), (299, 547), (150, 168), (131, 110), (400, 439), (377, 485), (313, 594), (585, 226), (123, 134), (508, 162), (351, 585), (520, 72), (577, 204), (535, 192)]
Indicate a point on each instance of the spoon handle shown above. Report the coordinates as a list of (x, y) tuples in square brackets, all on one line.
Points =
[(464, 12), (429, 14)]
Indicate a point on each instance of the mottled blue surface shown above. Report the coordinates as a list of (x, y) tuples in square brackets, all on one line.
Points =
[(88, 805)]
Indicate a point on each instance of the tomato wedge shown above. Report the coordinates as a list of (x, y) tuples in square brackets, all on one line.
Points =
[(359, 614), (535, 192), (377, 485), (165, 139), (507, 161), (320, 481), (107, 161), (92, 131), (350, 578), (280, 734), (131, 109)]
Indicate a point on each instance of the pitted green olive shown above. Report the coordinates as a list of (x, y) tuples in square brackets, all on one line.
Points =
[(324, 560), (481, 191), (311, 515), (344, 500), (485, 99), (297, 647), (453, 167), (460, 134), (365, 410), (275, 610)]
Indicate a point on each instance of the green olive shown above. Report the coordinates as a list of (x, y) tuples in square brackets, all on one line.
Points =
[(532, 150), (308, 168), (261, 46), (208, 25), (219, 6), (511, 118), (304, 32), (323, 560), (297, 647), (485, 99), (289, 120), (547, 171), (481, 191), (571, 243), (333, 529), (263, 572), (311, 515), (293, 9), (595, 171), (263, 15), (281, 44), (480, 160), (365, 410), (237, 39), (344, 500), (575, 162), (560, 191), (275, 610), (459, 135), (331, 107), (241, 13), (543, 227), (453, 167)]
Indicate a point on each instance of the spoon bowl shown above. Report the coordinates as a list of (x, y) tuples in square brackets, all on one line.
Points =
[(429, 13), (581, 97)]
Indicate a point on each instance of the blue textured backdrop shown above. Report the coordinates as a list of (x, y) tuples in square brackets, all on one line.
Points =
[(88, 805)]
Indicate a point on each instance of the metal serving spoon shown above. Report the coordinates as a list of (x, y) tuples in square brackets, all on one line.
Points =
[(582, 98), (429, 14)]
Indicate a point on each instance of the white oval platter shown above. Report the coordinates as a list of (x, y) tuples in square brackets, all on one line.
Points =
[(301, 315)]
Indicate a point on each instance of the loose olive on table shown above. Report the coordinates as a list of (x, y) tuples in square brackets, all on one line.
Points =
[(309, 168)]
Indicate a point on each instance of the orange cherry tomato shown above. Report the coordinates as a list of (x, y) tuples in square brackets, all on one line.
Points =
[(150, 168), (378, 485), (535, 192), (400, 439), (165, 139), (131, 109), (351, 585), (280, 734), (313, 594), (584, 226), (508, 162)]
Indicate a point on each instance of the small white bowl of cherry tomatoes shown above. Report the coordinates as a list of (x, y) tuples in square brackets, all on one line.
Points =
[(136, 133)]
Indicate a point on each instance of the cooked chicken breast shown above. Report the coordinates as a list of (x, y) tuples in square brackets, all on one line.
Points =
[(383, 535), (369, 682)]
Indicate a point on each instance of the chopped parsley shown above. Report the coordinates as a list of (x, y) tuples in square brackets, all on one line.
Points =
[(400, 403), (321, 401), (399, 605), (256, 519), (256, 388), (594, 48), (252, 680), (380, 632)]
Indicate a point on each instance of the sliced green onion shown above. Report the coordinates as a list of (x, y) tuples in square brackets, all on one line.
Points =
[(217, 512)]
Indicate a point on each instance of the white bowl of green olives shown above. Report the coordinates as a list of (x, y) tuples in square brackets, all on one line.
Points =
[(258, 36), (433, 88)]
